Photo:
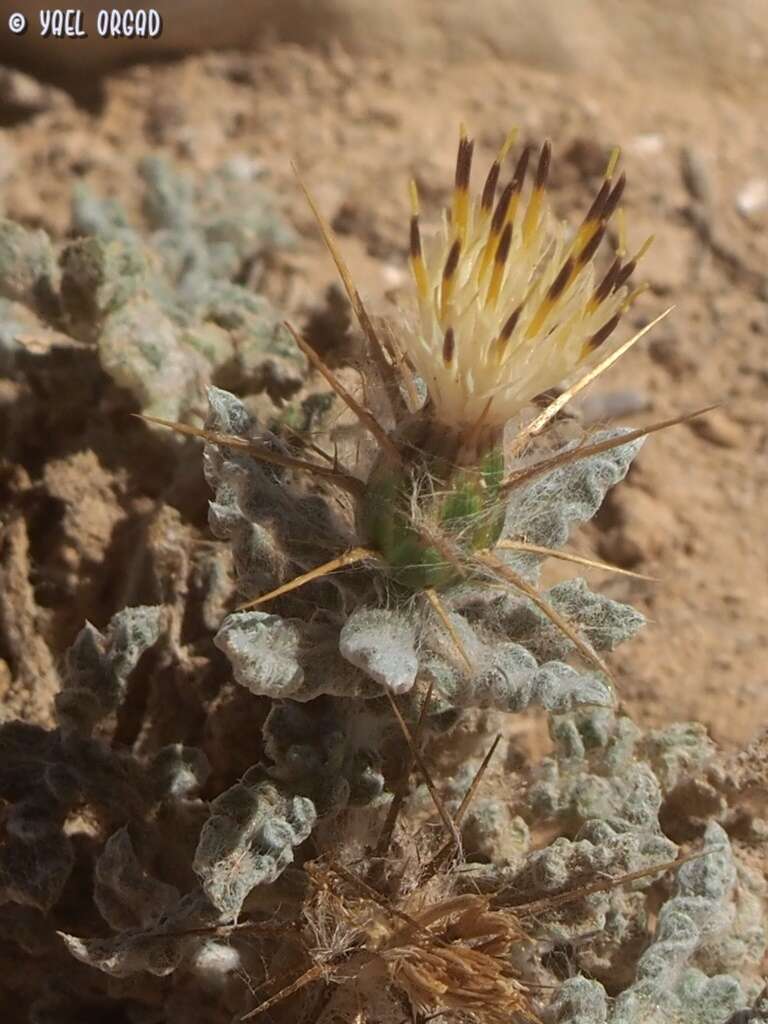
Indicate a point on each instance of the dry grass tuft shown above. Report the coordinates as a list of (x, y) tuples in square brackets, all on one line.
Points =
[(463, 965)]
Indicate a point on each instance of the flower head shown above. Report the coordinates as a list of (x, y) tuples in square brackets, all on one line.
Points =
[(510, 304)]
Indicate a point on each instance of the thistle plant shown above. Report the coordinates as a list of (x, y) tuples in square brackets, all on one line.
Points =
[(363, 868), (510, 307)]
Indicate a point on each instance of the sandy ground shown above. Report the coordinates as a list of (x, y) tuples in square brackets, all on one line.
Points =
[(692, 512)]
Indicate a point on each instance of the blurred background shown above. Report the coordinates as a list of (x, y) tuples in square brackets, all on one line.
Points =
[(364, 96), (704, 42)]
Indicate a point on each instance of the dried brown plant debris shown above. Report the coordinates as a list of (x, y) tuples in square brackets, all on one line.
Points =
[(465, 956), (450, 954)]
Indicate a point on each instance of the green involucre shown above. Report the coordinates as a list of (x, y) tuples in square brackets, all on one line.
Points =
[(461, 503)]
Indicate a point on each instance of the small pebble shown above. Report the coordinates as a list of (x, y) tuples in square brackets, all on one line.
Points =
[(752, 198), (647, 144), (695, 175), (242, 167)]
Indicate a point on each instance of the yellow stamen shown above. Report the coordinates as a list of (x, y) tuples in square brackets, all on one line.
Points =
[(413, 192), (584, 236), (507, 145), (539, 318), (643, 248), (613, 160), (633, 296), (499, 266), (460, 211), (484, 207), (501, 344), (449, 278), (418, 266), (532, 214), (419, 272)]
